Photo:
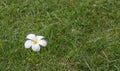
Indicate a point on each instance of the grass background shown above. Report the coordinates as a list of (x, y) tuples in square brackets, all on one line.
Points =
[(82, 35)]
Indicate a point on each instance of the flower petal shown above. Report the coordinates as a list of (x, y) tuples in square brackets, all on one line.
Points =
[(43, 43), (35, 47), (28, 44), (31, 36), (40, 37)]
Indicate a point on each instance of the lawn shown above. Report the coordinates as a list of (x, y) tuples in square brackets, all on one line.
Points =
[(82, 35)]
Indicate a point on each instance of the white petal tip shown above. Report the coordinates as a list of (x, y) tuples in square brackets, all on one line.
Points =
[(28, 44), (36, 48), (31, 36), (43, 43)]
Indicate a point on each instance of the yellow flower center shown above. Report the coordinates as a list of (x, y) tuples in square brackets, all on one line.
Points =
[(35, 41)]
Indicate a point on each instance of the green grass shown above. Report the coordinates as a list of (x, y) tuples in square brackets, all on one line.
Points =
[(82, 35)]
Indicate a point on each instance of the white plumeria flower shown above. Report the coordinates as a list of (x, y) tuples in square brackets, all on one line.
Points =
[(35, 42)]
